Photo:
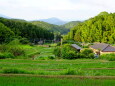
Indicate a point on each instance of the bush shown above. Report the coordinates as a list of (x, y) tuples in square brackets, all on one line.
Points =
[(70, 55), (14, 47), (73, 72), (68, 52), (70, 72), (91, 55), (57, 51), (51, 57), (24, 41), (109, 57), (14, 71), (86, 51), (17, 51), (6, 55), (82, 56)]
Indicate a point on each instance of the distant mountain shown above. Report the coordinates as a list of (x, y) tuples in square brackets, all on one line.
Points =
[(51, 27), (53, 20), (71, 24), (1, 15)]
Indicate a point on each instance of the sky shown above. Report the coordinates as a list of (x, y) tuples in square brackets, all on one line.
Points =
[(68, 10)]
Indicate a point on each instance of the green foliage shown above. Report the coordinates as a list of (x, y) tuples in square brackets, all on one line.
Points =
[(21, 80), (65, 52), (51, 27), (6, 55), (97, 29), (5, 33), (87, 53), (46, 58), (109, 57), (70, 55), (71, 24), (57, 51), (70, 72), (13, 71), (24, 41), (91, 55), (13, 48), (9, 27), (17, 50), (51, 57)]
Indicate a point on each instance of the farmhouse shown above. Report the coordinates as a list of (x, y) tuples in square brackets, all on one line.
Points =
[(102, 48), (76, 47)]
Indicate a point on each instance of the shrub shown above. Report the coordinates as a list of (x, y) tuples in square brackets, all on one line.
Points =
[(70, 55), (70, 71), (51, 57), (6, 55), (82, 55), (14, 71), (24, 41), (73, 72), (68, 52), (17, 51), (86, 51), (109, 57), (65, 52), (91, 55), (57, 51)]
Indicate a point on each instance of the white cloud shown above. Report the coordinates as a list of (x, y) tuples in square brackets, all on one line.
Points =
[(65, 9)]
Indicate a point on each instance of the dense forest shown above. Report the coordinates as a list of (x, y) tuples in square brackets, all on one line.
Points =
[(51, 27), (14, 28), (101, 28), (71, 24)]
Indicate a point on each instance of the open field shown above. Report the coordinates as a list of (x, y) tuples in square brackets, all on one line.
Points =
[(30, 80), (36, 52), (85, 67), (80, 72)]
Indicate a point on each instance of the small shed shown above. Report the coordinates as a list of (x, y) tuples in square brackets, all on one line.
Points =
[(75, 46)]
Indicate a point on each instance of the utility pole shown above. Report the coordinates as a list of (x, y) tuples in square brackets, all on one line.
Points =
[(61, 45)]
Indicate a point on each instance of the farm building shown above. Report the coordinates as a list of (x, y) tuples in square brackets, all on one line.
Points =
[(76, 47), (102, 48)]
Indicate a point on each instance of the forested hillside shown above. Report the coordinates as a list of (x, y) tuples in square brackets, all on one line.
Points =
[(51, 27), (101, 28), (71, 24), (10, 28)]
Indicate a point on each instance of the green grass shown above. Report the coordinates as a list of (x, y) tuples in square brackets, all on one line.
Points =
[(21, 80), (18, 72), (36, 52), (85, 67)]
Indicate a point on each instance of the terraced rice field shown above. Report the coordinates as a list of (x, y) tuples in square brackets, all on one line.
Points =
[(80, 72)]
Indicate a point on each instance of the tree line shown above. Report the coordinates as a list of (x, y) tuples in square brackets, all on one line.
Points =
[(10, 28), (100, 28)]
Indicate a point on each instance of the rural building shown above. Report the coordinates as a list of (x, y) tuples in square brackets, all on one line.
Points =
[(78, 48), (102, 48)]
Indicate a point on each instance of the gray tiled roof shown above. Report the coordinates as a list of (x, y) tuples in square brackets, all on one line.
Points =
[(109, 48), (100, 46), (75, 46), (103, 47)]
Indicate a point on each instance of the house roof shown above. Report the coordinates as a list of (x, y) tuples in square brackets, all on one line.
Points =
[(109, 48), (76, 46), (103, 47)]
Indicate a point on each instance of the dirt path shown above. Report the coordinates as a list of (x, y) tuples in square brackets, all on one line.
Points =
[(98, 68), (60, 76)]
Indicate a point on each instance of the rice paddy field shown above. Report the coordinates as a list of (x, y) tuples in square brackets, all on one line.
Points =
[(80, 72)]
